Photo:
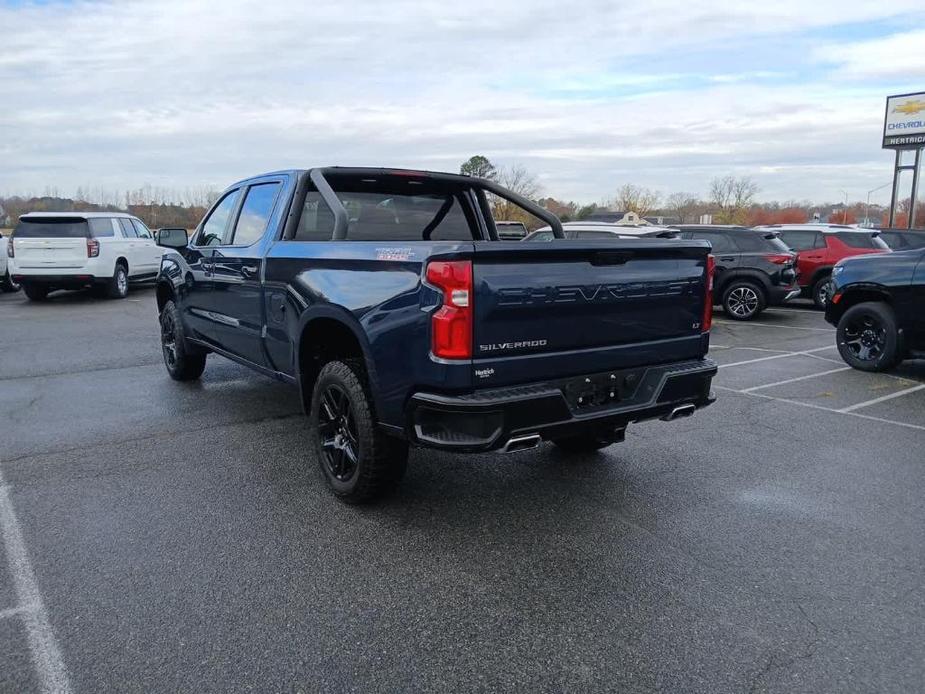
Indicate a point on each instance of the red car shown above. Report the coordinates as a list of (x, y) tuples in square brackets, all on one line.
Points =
[(819, 247)]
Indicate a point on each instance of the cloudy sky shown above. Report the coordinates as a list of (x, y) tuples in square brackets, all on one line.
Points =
[(586, 94)]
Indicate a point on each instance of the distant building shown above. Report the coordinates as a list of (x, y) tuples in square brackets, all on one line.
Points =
[(624, 218)]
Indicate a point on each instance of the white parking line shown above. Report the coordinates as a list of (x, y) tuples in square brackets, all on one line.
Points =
[(794, 380), (46, 656), (824, 409), (771, 325), (884, 398), (805, 353)]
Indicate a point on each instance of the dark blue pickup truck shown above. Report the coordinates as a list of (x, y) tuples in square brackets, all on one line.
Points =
[(387, 297)]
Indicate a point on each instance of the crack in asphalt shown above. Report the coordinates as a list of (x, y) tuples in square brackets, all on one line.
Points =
[(778, 661)]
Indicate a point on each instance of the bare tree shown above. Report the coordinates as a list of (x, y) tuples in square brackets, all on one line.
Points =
[(732, 197), (683, 205), (632, 198), (518, 180)]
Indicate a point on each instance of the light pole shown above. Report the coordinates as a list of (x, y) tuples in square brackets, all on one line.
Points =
[(867, 209), (844, 214)]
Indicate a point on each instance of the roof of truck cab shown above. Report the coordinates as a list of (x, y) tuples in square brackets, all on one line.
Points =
[(81, 215), (362, 171)]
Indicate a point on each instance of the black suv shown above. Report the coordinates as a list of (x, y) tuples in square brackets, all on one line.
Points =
[(877, 308), (754, 269)]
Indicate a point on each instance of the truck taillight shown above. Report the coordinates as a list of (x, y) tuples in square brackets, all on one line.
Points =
[(93, 248), (10, 251), (707, 321), (451, 325)]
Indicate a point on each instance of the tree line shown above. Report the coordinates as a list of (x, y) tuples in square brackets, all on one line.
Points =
[(729, 200), (155, 206)]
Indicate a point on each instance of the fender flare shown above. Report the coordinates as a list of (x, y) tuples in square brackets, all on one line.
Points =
[(349, 321)]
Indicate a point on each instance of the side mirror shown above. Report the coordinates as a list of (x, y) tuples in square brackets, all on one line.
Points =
[(172, 238)]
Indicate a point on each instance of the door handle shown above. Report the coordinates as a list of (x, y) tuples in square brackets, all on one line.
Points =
[(727, 258), (248, 270)]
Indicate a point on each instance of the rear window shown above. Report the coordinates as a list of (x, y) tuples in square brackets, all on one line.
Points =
[(51, 229), (860, 239), (390, 207), (385, 217)]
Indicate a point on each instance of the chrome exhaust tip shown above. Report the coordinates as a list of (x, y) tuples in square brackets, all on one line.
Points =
[(521, 443), (679, 412)]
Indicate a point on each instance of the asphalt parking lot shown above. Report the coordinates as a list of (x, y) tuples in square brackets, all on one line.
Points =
[(172, 537)]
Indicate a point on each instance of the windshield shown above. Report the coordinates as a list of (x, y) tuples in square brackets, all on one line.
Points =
[(65, 228)]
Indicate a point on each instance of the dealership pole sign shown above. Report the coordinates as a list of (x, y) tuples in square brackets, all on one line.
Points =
[(904, 126), (904, 129)]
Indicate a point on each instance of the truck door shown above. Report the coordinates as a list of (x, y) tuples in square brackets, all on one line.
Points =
[(237, 269), (200, 314)]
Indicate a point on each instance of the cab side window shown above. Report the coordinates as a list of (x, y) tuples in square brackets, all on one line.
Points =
[(317, 220), (213, 229), (255, 214)]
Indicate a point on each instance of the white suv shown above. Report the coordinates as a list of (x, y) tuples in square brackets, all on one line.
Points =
[(71, 250)]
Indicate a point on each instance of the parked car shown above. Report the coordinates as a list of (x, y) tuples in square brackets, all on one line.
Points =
[(602, 231), (510, 231), (72, 250), (6, 282), (754, 269), (401, 322), (819, 247), (903, 239), (878, 306)]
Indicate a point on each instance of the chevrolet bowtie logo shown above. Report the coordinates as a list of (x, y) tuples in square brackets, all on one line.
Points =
[(910, 108)]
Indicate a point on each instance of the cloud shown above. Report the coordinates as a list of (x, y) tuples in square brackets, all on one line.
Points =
[(899, 56), (588, 96)]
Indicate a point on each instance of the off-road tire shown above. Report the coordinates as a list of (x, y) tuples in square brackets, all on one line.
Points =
[(379, 461), (183, 362), (868, 337)]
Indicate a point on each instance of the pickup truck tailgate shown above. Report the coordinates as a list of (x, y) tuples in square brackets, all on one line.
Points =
[(576, 307)]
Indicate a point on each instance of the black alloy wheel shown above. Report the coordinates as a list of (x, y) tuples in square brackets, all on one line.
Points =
[(865, 337), (868, 338), (337, 428)]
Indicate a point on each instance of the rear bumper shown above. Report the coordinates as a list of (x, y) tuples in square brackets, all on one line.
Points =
[(488, 419), (63, 281)]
